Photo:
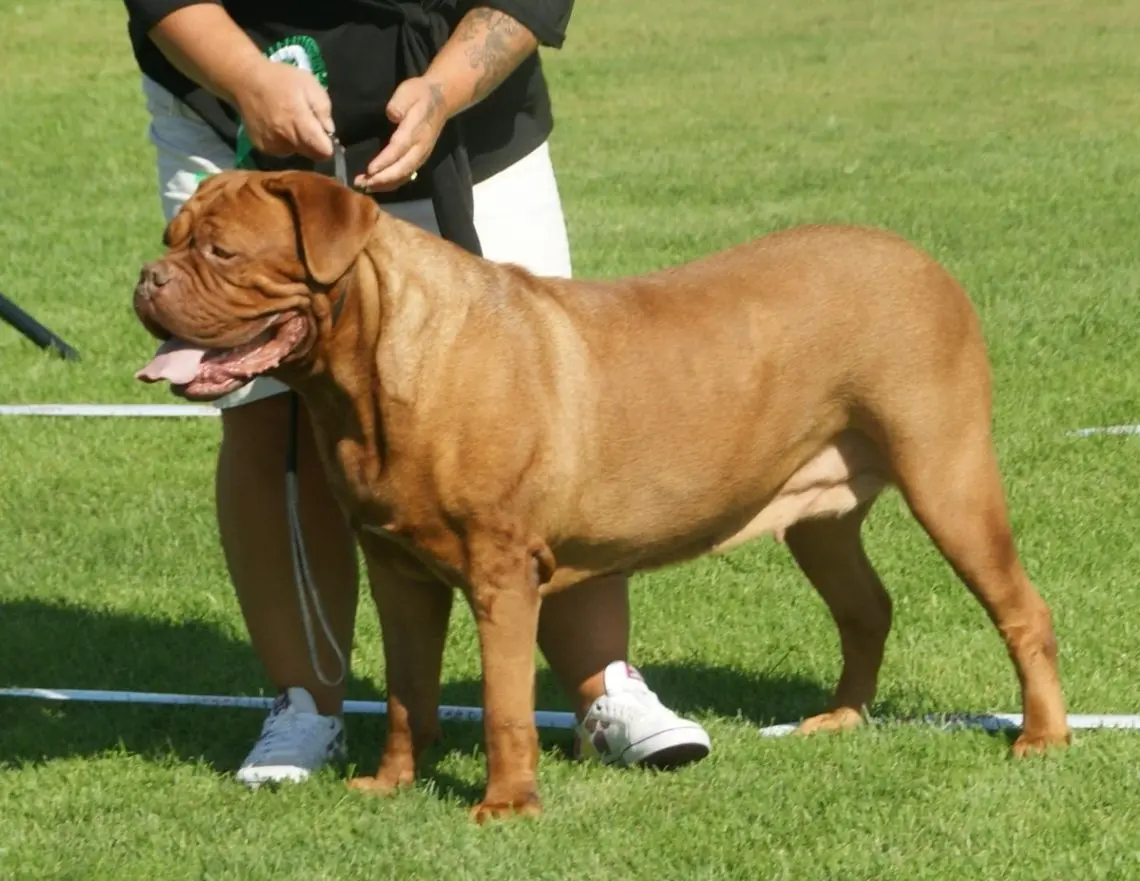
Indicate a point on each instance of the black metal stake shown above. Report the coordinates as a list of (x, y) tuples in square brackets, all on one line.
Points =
[(33, 330)]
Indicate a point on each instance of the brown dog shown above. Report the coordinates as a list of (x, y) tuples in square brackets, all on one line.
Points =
[(513, 435)]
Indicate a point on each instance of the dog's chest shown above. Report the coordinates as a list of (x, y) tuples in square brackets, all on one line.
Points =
[(388, 504), (358, 482)]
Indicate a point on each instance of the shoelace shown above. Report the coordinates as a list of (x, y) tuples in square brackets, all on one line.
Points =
[(630, 704)]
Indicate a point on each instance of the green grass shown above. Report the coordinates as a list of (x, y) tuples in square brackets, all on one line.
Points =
[(1002, 136)]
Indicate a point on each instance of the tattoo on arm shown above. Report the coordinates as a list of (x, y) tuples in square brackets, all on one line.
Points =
[(498, 43), (433, 108)]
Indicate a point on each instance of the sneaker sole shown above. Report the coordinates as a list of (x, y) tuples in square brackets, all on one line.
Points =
[(263, 775), (669, 749)]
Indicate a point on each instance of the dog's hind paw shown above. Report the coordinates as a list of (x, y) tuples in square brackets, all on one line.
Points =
[(843, 719)]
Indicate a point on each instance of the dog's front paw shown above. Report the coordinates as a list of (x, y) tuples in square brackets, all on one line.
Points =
[(527, 805), (384, 783), (1035, 744), (843, 719)]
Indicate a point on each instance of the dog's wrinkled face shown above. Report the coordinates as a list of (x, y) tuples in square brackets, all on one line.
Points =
[(254, 261)]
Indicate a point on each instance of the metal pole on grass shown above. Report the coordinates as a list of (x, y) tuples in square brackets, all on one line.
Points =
[(34, 331), (542, 718)]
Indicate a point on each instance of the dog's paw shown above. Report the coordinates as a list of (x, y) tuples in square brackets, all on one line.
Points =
[(529, 805), (1030, 744), (843, 719), (381, 784)]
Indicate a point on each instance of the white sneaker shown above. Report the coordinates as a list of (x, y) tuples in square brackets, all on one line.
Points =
[(628, 725), (295, 741)]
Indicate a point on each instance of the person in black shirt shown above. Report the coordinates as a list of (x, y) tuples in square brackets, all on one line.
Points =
[(444, 113)]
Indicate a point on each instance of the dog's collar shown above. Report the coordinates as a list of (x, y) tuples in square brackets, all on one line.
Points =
[(340, 169), (345, 284), (340, 162), (338, 306)]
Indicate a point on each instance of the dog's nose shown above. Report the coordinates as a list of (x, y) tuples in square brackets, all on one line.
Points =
[(154, 274)]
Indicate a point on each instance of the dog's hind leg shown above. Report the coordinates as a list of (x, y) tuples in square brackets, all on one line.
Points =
[(830, 553), (952, 485)]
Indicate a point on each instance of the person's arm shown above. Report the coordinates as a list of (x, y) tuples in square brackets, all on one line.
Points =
[(205, 44), (491, 41), (487, 45), (284, 108)]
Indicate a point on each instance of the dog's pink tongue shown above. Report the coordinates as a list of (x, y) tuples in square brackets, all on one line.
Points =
[(175, 361)]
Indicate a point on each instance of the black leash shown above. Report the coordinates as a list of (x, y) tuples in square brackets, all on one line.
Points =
[(307, 593), (424, 28)]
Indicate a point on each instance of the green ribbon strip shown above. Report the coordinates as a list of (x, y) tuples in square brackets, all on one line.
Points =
[(301, 51)]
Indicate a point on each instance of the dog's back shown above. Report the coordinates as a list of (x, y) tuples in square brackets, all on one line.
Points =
[(703, 390)]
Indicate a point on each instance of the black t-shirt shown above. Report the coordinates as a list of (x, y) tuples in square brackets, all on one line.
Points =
[(360, 45)]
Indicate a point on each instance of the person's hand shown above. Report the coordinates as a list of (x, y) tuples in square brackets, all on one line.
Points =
[(285, 111), (418, 109)]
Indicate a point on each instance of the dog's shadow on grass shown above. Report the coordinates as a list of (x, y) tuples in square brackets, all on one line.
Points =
[(59, 646), (691, 689), (64, 646)]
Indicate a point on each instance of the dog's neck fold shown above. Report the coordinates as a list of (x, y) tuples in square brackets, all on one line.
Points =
[(378, 356)]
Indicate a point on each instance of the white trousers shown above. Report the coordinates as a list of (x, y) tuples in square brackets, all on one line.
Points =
[(518, 212)]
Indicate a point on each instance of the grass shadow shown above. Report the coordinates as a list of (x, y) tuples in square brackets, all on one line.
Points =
[(66, 646), (691, 689), (50, 645), (757, 698)]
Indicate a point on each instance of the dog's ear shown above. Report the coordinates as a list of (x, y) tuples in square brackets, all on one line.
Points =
[(178, 229), (209, 189), (333, 223)]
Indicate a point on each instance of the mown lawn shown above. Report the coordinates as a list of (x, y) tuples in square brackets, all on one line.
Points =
[(1004, 137)]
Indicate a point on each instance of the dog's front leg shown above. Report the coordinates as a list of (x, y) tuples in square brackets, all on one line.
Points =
[(504, 596), (414, 608)]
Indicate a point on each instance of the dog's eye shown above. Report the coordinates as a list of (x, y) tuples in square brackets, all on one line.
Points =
[(217, 251)]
